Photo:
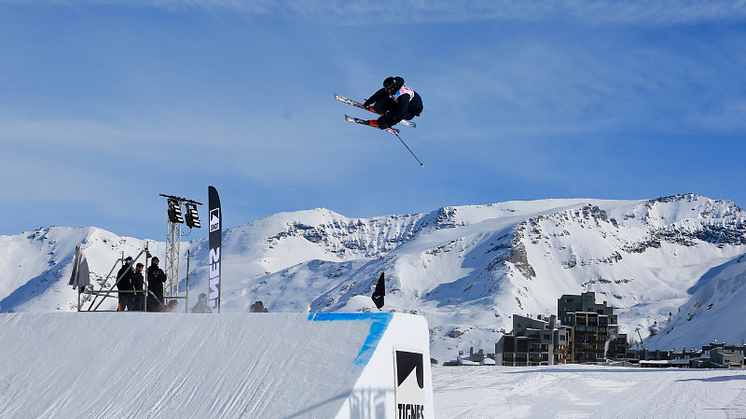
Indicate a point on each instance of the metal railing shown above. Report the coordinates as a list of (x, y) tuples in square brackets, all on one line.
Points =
[(111, 292)]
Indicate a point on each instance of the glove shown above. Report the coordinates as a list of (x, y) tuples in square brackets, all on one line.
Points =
[(368, 103)]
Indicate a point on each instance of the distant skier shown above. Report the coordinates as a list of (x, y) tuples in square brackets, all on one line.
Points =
[(201, 306), (394, 102)]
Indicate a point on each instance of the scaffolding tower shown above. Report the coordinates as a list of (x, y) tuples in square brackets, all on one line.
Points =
[(173, 248), (177, 217)]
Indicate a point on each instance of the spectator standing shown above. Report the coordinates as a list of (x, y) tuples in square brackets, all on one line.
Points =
[(156, 279), (138, 283), (125, 285)]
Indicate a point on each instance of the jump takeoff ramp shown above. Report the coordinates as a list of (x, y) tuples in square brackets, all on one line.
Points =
[(167, 365)]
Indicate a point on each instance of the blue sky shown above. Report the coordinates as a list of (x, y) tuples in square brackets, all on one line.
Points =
[(106, 104)]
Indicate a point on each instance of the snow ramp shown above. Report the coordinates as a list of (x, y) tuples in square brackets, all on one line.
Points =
[(166, 365)]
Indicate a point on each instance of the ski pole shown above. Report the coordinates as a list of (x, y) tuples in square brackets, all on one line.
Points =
[(410, 150)]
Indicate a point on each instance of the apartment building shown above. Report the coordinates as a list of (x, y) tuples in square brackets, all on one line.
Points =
[(594, 333), (540, 341)]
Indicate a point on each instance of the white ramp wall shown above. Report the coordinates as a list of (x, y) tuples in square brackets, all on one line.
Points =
[(164, 365)]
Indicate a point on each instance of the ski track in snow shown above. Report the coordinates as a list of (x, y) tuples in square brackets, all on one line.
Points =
[(583, 391)]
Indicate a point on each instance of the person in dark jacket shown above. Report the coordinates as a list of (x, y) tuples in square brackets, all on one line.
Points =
[(125, 284), (138, 283), (201, 306), (156, 279), (394, 102)]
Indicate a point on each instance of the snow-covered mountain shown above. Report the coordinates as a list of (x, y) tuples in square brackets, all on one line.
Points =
[(712, 314), (467, 269)]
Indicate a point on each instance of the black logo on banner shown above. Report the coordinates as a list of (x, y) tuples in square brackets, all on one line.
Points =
[(405, 363), (410, 385), (215, 220)]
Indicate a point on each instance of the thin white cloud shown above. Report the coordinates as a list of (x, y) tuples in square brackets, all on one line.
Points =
[(728, 117), (590, 12)]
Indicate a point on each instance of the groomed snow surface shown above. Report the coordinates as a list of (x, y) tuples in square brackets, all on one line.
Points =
[(152, 365), (163, 365), (588, 391)]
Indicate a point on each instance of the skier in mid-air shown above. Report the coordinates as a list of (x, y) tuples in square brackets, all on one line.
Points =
[(394, 102)]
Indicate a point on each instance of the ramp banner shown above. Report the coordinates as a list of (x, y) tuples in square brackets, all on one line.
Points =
[(216, 238)]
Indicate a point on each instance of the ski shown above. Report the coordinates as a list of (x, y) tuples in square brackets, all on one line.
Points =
[(369, 109), (391, 130)]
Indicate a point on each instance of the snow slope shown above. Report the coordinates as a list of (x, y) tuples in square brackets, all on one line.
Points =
[(467, 269), (153, 365), (582, 391), (164, 365), (717, 301)]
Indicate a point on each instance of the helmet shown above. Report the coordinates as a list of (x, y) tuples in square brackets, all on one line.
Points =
[(203, 297), (392, 84)]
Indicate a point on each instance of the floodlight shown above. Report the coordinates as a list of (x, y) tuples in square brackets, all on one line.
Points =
[(174, 211), (192, 217)]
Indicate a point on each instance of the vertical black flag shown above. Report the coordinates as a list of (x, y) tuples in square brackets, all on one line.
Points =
[(379, 292), (216, 238)]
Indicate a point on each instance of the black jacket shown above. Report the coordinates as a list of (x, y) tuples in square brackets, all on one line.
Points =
[(156, 279), (405, 108), (201, 307), (138, 282), (127, 274)]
